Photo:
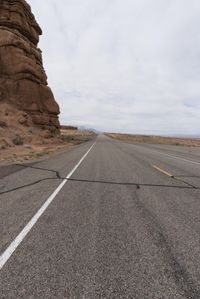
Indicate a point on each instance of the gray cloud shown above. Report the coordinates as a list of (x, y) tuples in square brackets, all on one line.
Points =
[(124, 65)]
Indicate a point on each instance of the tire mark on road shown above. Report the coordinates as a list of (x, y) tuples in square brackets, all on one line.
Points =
[(157, 232)]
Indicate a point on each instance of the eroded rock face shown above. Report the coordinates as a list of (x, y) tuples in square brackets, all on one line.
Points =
[(23, 81)]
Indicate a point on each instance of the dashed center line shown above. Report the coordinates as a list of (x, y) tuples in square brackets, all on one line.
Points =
[(163, 171), (174, 177)]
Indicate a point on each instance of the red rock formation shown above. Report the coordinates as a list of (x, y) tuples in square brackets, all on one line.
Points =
[(23, 82)]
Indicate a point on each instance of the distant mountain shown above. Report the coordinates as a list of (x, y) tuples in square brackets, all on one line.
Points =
[(84, 128)]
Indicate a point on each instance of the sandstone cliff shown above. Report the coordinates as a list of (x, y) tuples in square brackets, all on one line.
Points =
[(23, 82)]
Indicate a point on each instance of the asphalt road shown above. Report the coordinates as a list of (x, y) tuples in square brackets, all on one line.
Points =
[(126, 224)]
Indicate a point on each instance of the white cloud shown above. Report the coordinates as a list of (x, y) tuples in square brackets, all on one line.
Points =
[(124, 65)]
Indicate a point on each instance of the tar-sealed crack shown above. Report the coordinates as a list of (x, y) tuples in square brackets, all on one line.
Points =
[(59, 177)]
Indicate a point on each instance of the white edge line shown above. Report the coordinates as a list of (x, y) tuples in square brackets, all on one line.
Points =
[(183, 159), (165, 154), (16, 242)]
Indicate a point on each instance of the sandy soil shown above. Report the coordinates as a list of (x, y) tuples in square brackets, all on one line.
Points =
[(36, 147), (156, 139)]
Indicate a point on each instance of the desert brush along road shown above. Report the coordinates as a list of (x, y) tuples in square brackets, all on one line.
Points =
[(106, 219)]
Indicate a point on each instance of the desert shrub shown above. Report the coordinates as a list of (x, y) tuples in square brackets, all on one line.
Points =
[(3, 146), (67, 138), (18, 140), (41, 154), (3, 124)]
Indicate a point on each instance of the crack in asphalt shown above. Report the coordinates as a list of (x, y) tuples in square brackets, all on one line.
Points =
[(59, 177)]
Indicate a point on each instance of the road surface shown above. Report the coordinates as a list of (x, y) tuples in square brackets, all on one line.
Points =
[(107, 219)]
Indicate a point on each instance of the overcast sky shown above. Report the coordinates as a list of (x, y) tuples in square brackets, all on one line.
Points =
[(124, 65)]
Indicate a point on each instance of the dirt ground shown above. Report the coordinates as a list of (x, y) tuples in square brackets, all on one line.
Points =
[(17, 147), (156, 139)]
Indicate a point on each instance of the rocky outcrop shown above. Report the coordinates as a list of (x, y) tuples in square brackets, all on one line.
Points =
[(23, 81)]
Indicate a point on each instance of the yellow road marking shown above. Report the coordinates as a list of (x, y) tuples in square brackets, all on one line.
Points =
[(163, 171)]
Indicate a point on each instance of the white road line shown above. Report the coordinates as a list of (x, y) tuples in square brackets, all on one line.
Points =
[(183, 159), (16, 242), (165, 154)]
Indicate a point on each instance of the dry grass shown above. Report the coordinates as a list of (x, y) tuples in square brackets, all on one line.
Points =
[(77, 133), (156, 139), (76, 136), (40, 148)]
